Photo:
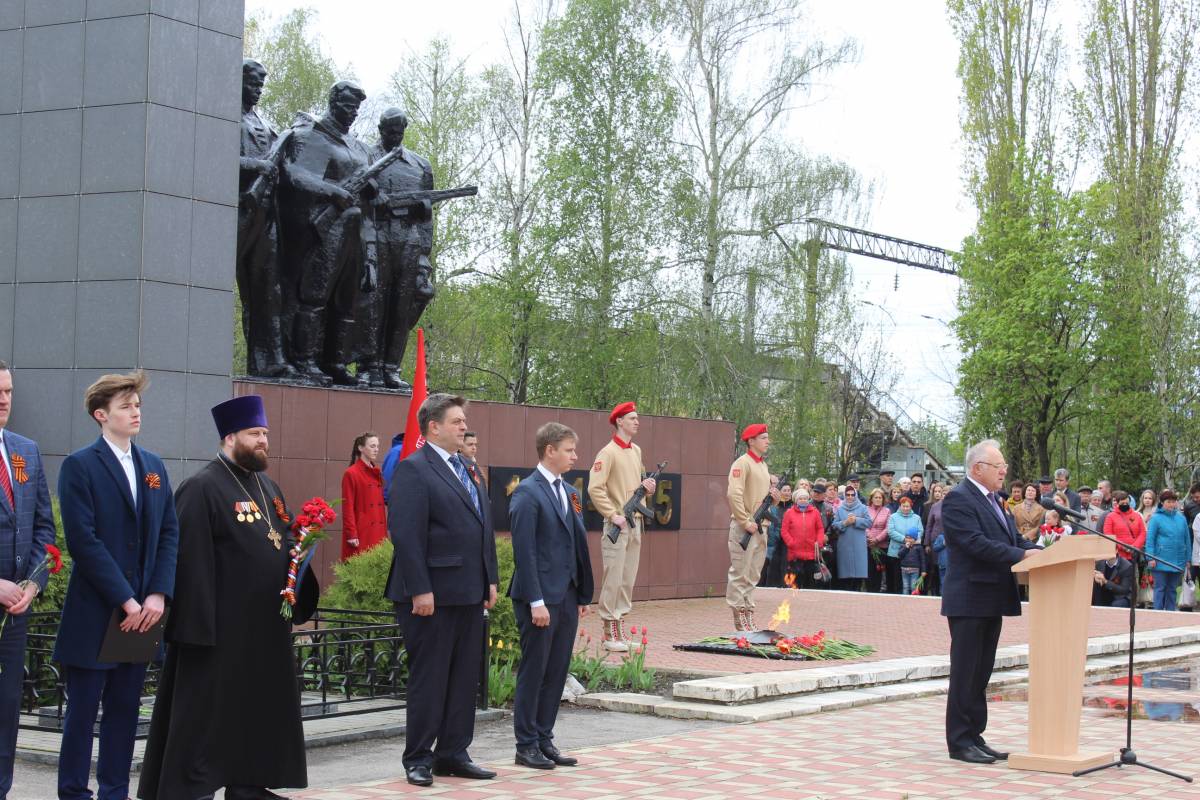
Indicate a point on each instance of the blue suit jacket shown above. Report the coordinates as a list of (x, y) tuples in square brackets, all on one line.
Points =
[(119, 549), (548, 545), (443, 544), (980, 553), (26, 530)]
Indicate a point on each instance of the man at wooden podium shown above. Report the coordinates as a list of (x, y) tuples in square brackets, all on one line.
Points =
[(979, 591)]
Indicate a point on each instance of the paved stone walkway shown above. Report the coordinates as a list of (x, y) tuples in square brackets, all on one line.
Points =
[(896, 626), (879, 752)]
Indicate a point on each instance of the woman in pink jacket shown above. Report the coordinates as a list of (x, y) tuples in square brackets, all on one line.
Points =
[(877, 540), (803, 534)]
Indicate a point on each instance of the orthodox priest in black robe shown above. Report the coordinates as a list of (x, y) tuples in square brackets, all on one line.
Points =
[(228, 706)]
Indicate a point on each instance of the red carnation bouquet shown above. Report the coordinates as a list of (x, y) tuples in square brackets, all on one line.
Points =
[(309, 527), (51, 564)]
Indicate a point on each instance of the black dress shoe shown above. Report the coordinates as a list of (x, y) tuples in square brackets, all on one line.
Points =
[(419, 775), (462, 769), (996, 754), (551, 752), (972, 755), (533, 757)]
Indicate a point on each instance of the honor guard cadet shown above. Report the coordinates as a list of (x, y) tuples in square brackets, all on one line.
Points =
[(749, 485), (227, 712), (616, 473)]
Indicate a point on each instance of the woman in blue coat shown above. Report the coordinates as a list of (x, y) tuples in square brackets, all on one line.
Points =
[(1167, 537), (851, 521)]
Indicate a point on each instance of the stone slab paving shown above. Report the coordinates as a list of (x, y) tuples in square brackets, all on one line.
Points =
[(880, 752), (897, 626)]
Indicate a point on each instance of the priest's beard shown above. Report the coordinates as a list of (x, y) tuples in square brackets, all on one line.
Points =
[(251, 459)]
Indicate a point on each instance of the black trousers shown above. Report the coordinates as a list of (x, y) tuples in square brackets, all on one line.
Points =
[(973, 643), (445, 652), (545, 660), (891, 569)]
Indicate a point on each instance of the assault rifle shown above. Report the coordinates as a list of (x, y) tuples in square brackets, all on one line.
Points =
[(405, 199), (354, 185), (634, 506), (760, 516), (262, 185)]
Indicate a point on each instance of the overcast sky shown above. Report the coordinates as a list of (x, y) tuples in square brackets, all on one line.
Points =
[(893, 116)]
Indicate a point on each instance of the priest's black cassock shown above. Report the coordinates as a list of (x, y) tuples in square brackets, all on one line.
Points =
[(228, 707)]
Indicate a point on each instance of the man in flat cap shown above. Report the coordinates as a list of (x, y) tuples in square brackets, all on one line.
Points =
[(617, 471), (228, 711), (749, 484)]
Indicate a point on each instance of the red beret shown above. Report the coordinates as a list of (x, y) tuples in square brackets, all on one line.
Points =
[(621, 410), (757, 429)]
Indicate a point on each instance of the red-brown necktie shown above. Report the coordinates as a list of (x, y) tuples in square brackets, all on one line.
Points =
[(6, 482)]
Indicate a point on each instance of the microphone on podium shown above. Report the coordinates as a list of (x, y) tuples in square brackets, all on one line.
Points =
[(1063, 511)]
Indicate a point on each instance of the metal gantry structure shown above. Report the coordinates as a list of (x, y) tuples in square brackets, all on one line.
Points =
[(835, 236)]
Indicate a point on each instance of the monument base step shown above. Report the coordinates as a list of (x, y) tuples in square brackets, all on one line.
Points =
[(860, 693)]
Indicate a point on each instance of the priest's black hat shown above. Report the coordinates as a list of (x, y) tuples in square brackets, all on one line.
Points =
[(239, 414)]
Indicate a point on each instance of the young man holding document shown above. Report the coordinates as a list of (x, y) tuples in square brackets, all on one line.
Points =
[(119, 521)]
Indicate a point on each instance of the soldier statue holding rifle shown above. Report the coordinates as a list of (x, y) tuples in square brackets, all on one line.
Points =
[(403, 223), (257, 238), (328, 236)]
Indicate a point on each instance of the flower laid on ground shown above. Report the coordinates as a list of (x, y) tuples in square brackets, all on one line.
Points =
[(309, 528), (52, 564), (817, 646)]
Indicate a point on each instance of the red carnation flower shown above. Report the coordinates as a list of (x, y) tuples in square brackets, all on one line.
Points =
[(55, 554)]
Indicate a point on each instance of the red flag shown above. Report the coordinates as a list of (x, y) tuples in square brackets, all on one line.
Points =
[(412, 431)]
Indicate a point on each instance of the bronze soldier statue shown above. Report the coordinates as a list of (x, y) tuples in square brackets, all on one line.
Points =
[(257, 249), (404, 233), (327, 239)]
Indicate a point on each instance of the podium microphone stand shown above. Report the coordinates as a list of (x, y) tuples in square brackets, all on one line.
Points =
[(1128, 756)]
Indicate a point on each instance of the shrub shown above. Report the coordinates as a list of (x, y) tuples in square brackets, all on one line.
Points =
[(361, 579)]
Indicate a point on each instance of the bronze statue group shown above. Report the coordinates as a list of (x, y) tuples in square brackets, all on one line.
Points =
[(334, 242)]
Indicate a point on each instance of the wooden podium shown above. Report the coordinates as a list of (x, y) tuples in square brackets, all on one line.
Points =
[(1060, 600)]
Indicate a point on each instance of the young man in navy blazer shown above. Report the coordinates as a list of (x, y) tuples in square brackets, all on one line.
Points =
[(442, 578), (118, 517), (980, 589), (551, 588), (26, 527)]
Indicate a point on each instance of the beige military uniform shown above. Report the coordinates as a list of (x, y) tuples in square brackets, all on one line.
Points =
[(749, 482), (616, 473)]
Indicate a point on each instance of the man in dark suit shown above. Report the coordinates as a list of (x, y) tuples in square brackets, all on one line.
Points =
[(551, 588), (443, 575), (119, 520), (26, 527), (979, 591), (1114, 582)]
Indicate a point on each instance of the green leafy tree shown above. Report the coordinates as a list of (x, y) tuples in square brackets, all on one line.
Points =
[(610, 113), (299, 73), (1139, 57)]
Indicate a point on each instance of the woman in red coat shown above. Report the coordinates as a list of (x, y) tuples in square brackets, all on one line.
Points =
[(803, 534), (364, 515)]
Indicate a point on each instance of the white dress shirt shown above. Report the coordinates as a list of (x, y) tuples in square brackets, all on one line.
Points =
[(562, 499), (445, 456), (125, 458)]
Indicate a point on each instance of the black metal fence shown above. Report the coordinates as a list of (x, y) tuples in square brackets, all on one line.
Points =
[(347, 662)]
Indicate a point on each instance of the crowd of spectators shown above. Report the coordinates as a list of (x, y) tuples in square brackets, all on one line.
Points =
[(890, 539)]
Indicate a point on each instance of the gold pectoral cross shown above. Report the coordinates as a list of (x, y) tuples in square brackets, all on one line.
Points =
[(275, 538)]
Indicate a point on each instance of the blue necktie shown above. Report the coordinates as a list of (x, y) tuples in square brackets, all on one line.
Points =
[(562, 498), (461, 470)]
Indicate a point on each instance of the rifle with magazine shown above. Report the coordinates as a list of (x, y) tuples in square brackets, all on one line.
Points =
[(760, 516), (635, 506), (402, 200)]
